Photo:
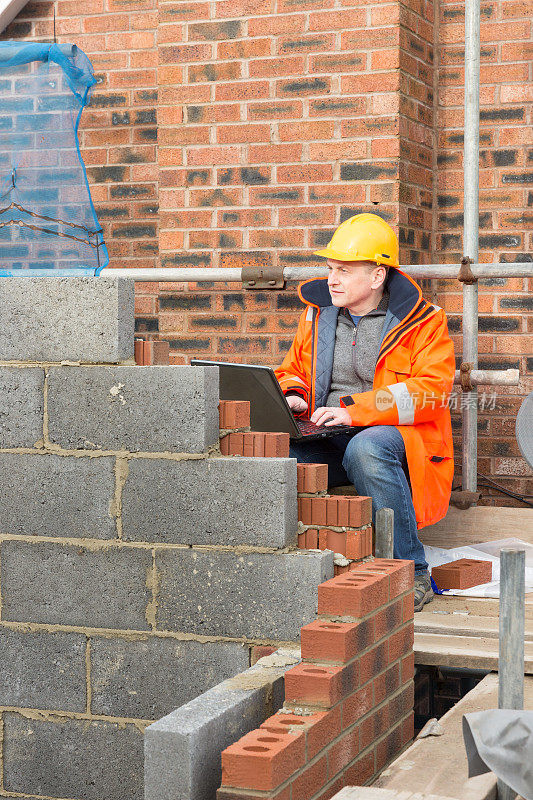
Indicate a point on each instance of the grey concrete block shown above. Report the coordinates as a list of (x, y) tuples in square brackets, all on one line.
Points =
[(49, 495), (160, 409), (90, 760), (257, 595), (146, 679), (21, 406), (43, 670), (66, 319), (182, 750), (211, 501), (73, 585)]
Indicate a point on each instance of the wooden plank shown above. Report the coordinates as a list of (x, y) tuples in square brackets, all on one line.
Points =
[(479, 524), (372, 793), (462, 625), (477, 606), (463, 652), (437, 764)]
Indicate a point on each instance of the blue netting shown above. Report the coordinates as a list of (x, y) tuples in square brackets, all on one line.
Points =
[(47, 218)]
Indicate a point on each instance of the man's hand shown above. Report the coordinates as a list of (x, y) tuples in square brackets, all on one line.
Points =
[(331, 416), (297, 404)]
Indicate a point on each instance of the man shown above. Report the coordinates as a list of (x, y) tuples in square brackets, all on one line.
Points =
[(370, 352)]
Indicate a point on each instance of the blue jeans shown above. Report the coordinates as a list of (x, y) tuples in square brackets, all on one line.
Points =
[(373, 461)]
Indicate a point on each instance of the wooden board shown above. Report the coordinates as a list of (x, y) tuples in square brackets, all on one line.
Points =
[(372, 793), (463, 625), (463, 652), (437, 764), (463, 632), (476, 606), (479, 524)]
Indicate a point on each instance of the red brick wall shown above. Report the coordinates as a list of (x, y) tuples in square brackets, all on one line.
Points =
[(348, 706), (239, 130)]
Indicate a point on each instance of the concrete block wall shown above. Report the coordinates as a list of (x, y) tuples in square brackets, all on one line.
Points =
[(138, 564), (340, 523), (348, 707)]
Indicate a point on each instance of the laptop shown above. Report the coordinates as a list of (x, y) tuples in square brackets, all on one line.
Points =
[(269, 410)]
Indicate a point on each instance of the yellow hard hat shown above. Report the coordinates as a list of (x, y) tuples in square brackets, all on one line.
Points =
[(364, 237)]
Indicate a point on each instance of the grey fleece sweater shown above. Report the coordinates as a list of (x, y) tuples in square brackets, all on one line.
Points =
[(356, 352)]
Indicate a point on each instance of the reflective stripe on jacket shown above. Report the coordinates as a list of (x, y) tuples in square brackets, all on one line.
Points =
[(412, 382)]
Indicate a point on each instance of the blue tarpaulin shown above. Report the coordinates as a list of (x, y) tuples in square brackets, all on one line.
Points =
[(47, 218)]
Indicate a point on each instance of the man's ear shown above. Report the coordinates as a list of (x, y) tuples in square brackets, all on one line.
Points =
[(379, 275)]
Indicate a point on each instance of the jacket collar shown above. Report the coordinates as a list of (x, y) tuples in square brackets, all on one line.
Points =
[(404, 294)]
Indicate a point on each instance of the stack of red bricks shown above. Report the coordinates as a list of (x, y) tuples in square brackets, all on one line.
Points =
[(348, 705), (151, 353), (339, 523)]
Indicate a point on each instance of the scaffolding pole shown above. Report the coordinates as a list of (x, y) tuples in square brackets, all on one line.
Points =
[(516, 269), (471, 237)]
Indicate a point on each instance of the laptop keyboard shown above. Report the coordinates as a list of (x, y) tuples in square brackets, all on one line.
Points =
[(308, 428)]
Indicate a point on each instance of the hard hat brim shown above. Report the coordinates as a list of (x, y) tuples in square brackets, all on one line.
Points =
[(328, 252)]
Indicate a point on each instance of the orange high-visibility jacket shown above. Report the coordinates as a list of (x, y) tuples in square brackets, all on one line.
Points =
[(412, 381)]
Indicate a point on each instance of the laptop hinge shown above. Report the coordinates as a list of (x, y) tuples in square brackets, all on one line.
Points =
[(262, 277)]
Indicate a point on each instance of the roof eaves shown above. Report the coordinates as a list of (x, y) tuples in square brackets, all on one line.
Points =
[(9, 10)]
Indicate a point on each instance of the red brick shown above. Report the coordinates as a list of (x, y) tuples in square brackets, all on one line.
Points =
[(234, 413), (331, 510), (332, 540), (276, 445), (304, 510), (374, 662), (357, 705), (319, 729), (334, 641), (408, 607), (357, 544), (462, 574), (312, 478), (262, 760), (156, 353), (386, 683), (139, 352), (408, 729), (318, 510), (389, 747), (360, 511), (408, 667), (310, 781), (360, 772), (332, 789), (401, 642), (320, 685), (341, 753), (352, 594), (388, 618), (232, 444), (402, 703), (400, 573), (260, 651)]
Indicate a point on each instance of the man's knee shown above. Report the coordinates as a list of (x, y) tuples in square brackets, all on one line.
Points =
[(372, 445)]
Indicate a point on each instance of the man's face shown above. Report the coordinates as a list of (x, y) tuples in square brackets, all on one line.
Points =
[(352, 284)]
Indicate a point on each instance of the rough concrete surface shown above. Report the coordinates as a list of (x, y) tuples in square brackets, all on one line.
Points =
[(71, 585), (66, 319), (257, 595), (215, 501), (90, 760), (182, 750), (21, 406), (49, 495), (146, 679), (159, 409), (43, 670)]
